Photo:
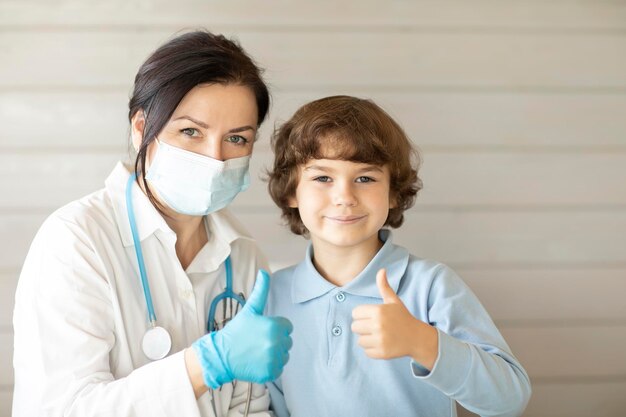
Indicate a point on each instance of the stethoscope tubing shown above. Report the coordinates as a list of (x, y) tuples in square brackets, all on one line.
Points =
[(142, 268), (227, 293)]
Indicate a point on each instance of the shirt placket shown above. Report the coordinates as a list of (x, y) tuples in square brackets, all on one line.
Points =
[(338, 331)]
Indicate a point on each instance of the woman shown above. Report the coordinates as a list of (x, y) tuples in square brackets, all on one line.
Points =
[(116, 293)]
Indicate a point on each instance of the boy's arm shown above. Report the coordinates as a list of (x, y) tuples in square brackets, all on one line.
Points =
[(473, 364)]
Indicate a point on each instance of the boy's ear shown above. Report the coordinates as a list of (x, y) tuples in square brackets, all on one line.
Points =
[(393, 201), (137, 125), (293, 202)]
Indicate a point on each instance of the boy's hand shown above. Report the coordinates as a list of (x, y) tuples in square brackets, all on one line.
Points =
[(388, 330)]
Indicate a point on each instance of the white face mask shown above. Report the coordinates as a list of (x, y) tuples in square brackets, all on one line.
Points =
[(195, 184)]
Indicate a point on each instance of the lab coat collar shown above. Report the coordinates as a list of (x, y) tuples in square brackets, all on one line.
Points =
[(147, 217), (222, 230), (309, 284)]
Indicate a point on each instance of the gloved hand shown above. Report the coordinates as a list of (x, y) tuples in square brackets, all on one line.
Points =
[(251, 347)]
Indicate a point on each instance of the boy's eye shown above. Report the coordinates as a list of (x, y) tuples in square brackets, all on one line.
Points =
[(237, 140), (365, 179), (322, 178), (189, 131)]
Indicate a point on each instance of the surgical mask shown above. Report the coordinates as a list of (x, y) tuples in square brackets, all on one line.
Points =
[(195, 184)]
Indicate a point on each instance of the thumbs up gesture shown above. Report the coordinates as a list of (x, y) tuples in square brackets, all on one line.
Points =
[(389, 330), (251, 347)]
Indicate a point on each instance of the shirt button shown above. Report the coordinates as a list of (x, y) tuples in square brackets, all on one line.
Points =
[(340, 296), (337, 330)]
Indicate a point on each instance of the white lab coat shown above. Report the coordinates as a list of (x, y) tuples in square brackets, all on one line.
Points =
[(80, 312)]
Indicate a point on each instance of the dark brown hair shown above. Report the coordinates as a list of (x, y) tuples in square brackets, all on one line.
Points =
[(345, 128), (179, 65)]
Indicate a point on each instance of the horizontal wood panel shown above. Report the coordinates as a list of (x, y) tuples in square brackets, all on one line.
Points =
[(540, 297), (569, 352), (455, 179), (545, 296), (578, 399), (96, 118), (52, 180), (483, 119), (302, 59), (574, 399), (288, 14), (493, 238), (47, 120)]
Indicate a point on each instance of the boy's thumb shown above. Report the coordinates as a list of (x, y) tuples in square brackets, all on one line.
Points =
[(258, 297), (389, 296)]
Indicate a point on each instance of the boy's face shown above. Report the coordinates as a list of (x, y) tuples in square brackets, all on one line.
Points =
[(342, 203)]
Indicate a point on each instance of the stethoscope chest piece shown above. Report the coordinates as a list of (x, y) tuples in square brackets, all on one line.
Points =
[(156, 343)]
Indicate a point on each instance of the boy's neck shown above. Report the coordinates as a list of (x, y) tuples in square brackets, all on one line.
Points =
[(340, 264)]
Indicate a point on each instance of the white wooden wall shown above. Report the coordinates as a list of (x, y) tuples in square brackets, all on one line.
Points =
[(518, 107)]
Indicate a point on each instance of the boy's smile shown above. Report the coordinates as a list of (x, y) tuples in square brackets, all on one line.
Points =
[(346, 219), (343, 204)]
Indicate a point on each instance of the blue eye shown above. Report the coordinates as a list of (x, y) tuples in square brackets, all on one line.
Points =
[(237, 140), (365, 179), (322, 178)]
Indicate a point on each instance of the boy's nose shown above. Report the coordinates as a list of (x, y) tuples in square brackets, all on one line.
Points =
[(345, 196)]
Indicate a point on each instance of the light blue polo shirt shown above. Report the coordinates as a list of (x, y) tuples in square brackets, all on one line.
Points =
[(328, 374)]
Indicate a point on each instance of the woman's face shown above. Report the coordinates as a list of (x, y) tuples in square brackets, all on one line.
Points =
[(214, 120)]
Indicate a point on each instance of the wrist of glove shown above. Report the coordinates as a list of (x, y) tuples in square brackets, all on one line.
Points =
[(215, 373)]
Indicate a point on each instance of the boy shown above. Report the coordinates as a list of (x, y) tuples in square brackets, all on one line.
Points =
[(377, 331)]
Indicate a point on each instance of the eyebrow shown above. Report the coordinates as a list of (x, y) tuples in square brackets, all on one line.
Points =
[(328, 169), (206, 126), (198, 122)]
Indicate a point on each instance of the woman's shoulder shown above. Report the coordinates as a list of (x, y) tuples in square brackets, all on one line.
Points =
[(88, 216), (75, 237)]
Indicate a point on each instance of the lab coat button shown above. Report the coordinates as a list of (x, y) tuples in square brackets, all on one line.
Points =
[(337, 330), (340, 296)]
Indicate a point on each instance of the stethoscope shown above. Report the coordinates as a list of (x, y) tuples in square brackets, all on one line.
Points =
[(157, 342)]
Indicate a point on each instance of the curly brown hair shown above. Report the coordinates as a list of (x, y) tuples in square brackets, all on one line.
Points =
[(345, 128)]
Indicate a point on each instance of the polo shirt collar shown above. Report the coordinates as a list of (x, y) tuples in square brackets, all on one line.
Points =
[(309, 284)]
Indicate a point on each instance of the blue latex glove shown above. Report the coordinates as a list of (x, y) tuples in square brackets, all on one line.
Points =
[(251, 347)]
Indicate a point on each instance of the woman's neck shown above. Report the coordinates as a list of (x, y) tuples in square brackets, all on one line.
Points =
[(191, 236), (340, 265)]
